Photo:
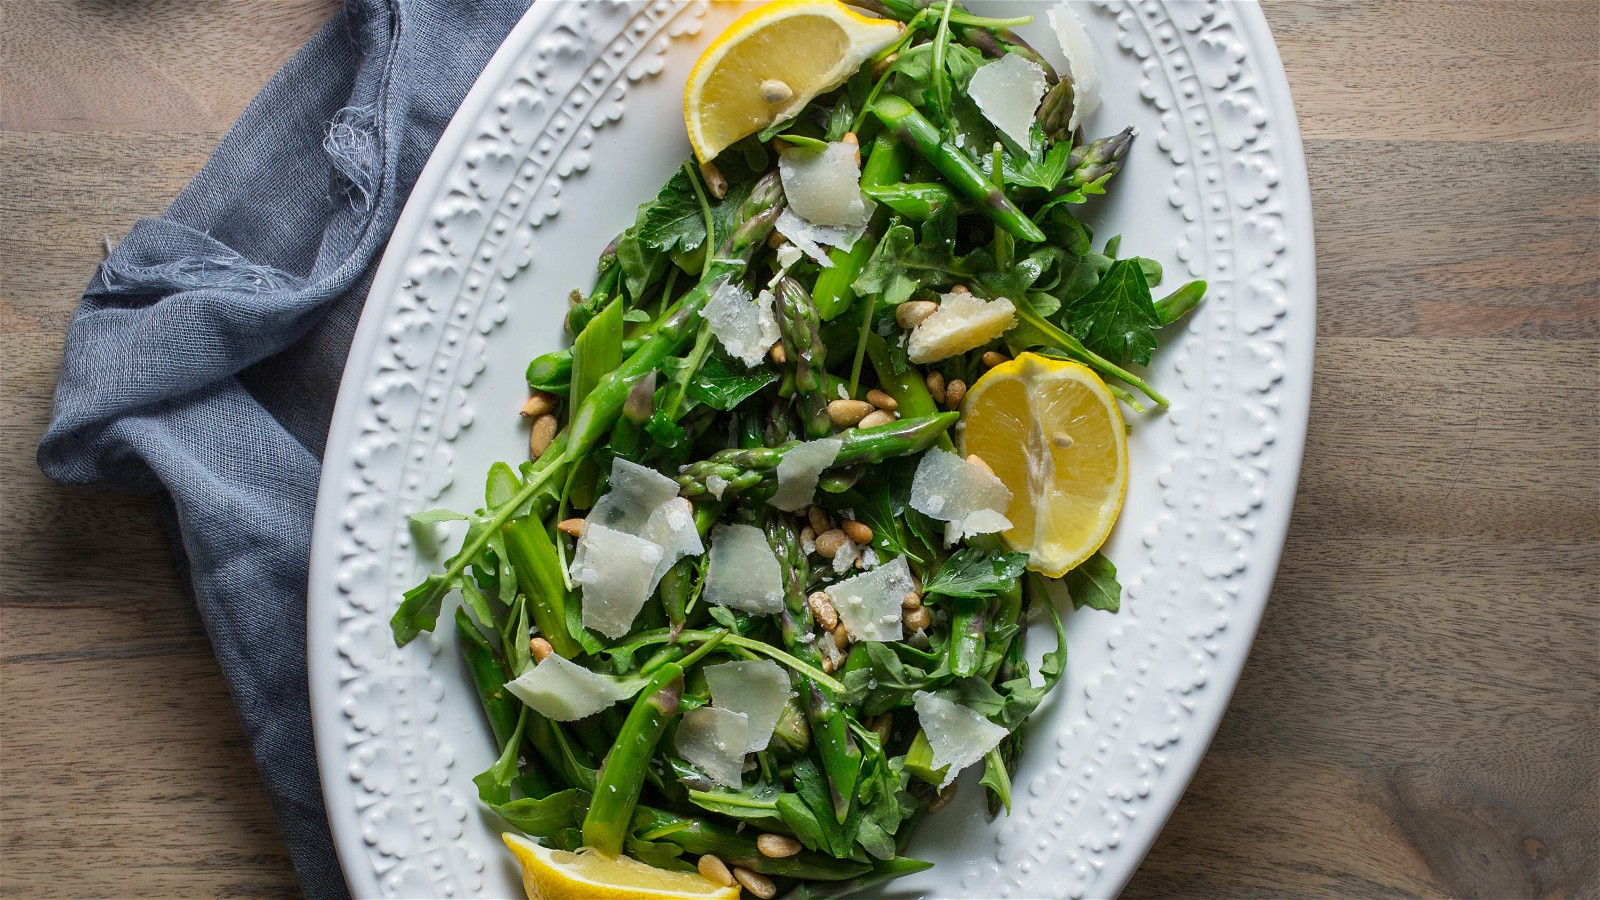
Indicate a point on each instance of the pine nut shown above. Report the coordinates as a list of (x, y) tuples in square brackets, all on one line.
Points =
[(875, 418), (848, 412), (818, 517), (936, 387), (715, 869), (572, 526), (775, 239), (882, 65), (954, 393), (912, 600), (912, 313), (916, 619), (715, 182), (539, 648), (829, 542), (828, 665), (943, 798), (540, 403), (882, 401), (851, 139), (857, 531), (976, 460), (778, 354), (543, 432), (777, 846), (959, 289), (881, 724), (755, 882), (992, 358), (841, 636), (822, 608), (808, 535)]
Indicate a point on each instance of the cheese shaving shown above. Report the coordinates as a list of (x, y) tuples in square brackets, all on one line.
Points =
[(971, 499), (824, 186), (743, 572), (713, 740), (799, 471), (758, 688), (957, 735), (1085, 75), (560, 689), (1007, 92), (746, 327), (869, 603)]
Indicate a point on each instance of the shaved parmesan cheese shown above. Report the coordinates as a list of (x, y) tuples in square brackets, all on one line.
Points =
[(742, 571), (1074, 41), (962, 322), (747, 328), (634, 493), (617, 572), (950, 489), (869, 603), (758, 688), (787, 255), (716, 484), (824, 186), (958, 736), (671, 527), (1008, 92), (845, 556), (562, 690), (713, 740), (809, 237), (799, 470)]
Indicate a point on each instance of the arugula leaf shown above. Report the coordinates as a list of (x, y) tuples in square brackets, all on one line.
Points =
[(719, 385), (545, 818), (802, 821), (435, 516), (885, 682), (1094, 584), (1022, 697), (641, 264), (1117, 318), (996, 778), (971, 572), (673, 220), (494, 783)]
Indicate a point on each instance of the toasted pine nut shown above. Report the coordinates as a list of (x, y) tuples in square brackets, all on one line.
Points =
[(954, 393), (572, 526), (976, 460), (539, 648), (959, 289), (822, 608), (818, 517), (912, 600), (775, 239), (543, 432), (829, 542), (875, 418), (936, 387), (882, 401), (882, 65), (755, 882), (943, 798), (851, 139), (540, 403), (778, 354), (777, 846), (841, 636), (848, 412), (828, 665), (992, 358), (715, 869), (857, 531), (916, 619), (912, 313), (881, 724), (716, 184), (808, 535)]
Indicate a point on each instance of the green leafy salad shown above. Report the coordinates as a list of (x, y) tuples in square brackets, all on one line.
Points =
[(751, 599)]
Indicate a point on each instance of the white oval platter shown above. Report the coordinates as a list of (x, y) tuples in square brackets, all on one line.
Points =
[(576, 121)]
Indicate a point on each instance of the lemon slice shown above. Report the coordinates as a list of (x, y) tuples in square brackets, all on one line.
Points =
[(1053, 433), (771, 62), (556, 874)]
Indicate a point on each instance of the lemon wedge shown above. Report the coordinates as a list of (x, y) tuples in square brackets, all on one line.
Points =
[(1052, 432), (556, 875), (771, 62)]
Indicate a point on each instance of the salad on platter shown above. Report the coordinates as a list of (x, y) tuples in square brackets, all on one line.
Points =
[(840, 420)]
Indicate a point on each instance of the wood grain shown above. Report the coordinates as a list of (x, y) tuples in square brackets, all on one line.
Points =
[(1421, 713)]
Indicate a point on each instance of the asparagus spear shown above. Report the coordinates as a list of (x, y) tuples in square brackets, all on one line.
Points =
[(914, 129), (798, 326), (743, 469), (886, 164), (1095, 161), (617, 792)]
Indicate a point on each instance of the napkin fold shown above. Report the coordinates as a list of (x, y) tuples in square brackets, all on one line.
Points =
[(205, 357)]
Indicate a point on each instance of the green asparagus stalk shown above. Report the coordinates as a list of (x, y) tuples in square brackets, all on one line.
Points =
[(914, 201), (1055, 111), (553, 371), (489, 676), (698, 836), (743, 469), (1095, 162), (886, 164), (605, 826), (914, 129), (798, 326)]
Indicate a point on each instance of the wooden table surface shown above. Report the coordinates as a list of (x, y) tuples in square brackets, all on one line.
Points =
[(1421, 713)]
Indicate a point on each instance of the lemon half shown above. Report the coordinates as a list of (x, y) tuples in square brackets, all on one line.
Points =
[(1053, 433), (588, 875), (771, 62)]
